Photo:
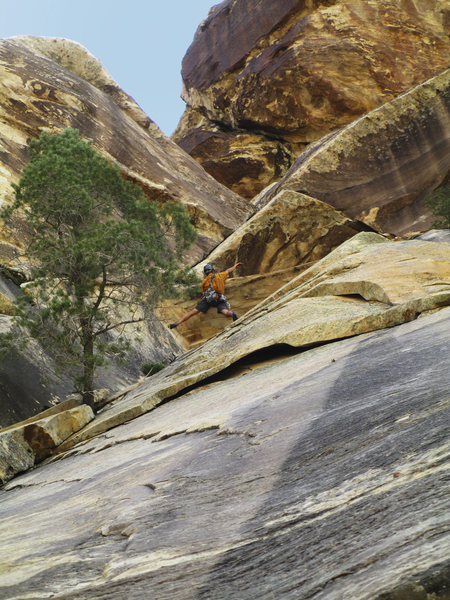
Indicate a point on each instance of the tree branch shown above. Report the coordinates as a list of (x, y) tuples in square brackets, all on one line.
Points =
[(116, 325)]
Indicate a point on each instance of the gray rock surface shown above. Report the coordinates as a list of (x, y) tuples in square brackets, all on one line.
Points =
[(436, 235), (319, 475), (16, 455)]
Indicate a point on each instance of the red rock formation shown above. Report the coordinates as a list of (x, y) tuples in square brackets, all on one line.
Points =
[(290, 72), (380, 168)]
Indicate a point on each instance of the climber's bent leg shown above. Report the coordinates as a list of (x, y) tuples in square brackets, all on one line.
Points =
[(184, 318)]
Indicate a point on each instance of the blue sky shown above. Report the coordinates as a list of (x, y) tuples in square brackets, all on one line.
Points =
[(141, 43)]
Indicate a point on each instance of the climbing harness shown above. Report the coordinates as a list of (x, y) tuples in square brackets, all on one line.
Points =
[(210, 294)]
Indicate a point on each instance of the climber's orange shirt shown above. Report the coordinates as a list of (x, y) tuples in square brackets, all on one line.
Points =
[(218, 282)]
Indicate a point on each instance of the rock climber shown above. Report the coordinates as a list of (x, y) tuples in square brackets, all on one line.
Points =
[(213, 289)]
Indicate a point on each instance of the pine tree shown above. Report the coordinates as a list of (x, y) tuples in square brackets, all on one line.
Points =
[(439, 203), (101, 252)]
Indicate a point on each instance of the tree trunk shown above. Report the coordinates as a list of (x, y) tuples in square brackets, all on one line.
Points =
[(88, 368), (88, 398)]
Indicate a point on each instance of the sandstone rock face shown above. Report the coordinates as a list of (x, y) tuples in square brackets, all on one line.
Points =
[(290, 72), (390, 273), (299, 452), (49, 84), (321, 475), (379, 168), (286, 236), (242, 161), (366, 284), (291, 230), (29, 382)]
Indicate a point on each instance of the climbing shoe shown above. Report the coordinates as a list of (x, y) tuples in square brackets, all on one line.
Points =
[(173, 325), (235, 317)]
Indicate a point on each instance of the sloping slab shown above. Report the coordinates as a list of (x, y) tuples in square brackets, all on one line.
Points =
[(371, 266), (392, 273), (321, 476), (302, 315)]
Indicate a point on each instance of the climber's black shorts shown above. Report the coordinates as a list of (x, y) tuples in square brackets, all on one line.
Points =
[(203, 306)]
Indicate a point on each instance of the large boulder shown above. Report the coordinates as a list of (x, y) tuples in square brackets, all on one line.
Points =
[(47, 84), (290, 72), (27, 443)]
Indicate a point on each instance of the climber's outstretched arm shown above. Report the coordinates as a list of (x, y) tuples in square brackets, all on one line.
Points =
[(231, 269)]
